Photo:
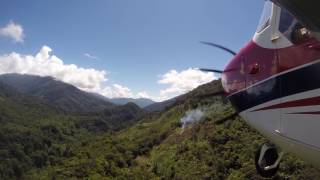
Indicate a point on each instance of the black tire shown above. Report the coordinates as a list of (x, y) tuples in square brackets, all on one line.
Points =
[(269, 158)]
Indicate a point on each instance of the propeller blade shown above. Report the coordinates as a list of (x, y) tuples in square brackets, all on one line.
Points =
[(220, 47), (211, 70), (220, 93)]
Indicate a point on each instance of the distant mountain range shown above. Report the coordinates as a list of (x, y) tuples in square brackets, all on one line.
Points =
[(160, 106), (141, 102), (63, 96), (57, 94)]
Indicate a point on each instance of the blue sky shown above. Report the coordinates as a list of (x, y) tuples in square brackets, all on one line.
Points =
[(137, 42)]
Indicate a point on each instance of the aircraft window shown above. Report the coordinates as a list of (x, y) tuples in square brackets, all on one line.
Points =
[(292, 29), (286, 21), (266, 16)]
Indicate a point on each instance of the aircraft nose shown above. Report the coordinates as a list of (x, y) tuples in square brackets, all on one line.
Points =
[(233, 77)]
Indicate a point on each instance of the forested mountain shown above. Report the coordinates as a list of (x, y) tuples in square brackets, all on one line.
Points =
[(165, 146), (62, 96), (35, 135), (114, 118), (141, 102), (160, 106), (29, 132), (206, 90)]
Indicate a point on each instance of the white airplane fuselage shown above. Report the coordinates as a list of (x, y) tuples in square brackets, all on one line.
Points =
[(274, 83)]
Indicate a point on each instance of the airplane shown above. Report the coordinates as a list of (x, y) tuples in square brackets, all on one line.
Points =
[(274, 82)]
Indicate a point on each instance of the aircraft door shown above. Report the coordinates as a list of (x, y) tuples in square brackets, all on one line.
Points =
[(298, 63)]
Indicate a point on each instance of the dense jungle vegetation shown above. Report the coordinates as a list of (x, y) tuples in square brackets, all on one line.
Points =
[(39, 142)]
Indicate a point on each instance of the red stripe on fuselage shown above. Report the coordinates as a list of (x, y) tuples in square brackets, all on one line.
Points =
[(298, 103)]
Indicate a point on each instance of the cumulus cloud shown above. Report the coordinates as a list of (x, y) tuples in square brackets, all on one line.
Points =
[(90, 56), (46, 64), (144, 94), (184, 81), (13, 31), (117, 91)]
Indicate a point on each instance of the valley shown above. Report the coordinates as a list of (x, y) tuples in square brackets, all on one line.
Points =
[(41, 140)]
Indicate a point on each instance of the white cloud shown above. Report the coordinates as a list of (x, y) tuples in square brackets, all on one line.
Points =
[(44, 64), (184, 81), (117, 91), (90, 56), (144, 94), (13, 31)]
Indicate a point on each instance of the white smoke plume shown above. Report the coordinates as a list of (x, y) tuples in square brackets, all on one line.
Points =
[(191, 117)]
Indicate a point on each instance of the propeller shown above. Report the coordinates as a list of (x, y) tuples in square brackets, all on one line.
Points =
[(211, 70), (220, 47), (233, 53)]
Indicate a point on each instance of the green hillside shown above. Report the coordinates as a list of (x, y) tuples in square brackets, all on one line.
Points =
[(33, 135), (220, 146)]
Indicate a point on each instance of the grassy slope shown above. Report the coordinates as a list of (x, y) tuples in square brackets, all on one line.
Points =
[(157, 148)]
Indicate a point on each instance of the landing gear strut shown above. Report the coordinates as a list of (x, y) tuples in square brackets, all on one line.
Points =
[(267, 160)]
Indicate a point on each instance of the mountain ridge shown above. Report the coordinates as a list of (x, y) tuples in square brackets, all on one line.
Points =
[(60, 95), (141, 102), (64, 96)]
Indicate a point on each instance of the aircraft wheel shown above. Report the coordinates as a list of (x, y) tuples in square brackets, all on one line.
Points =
[(266, 156)]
